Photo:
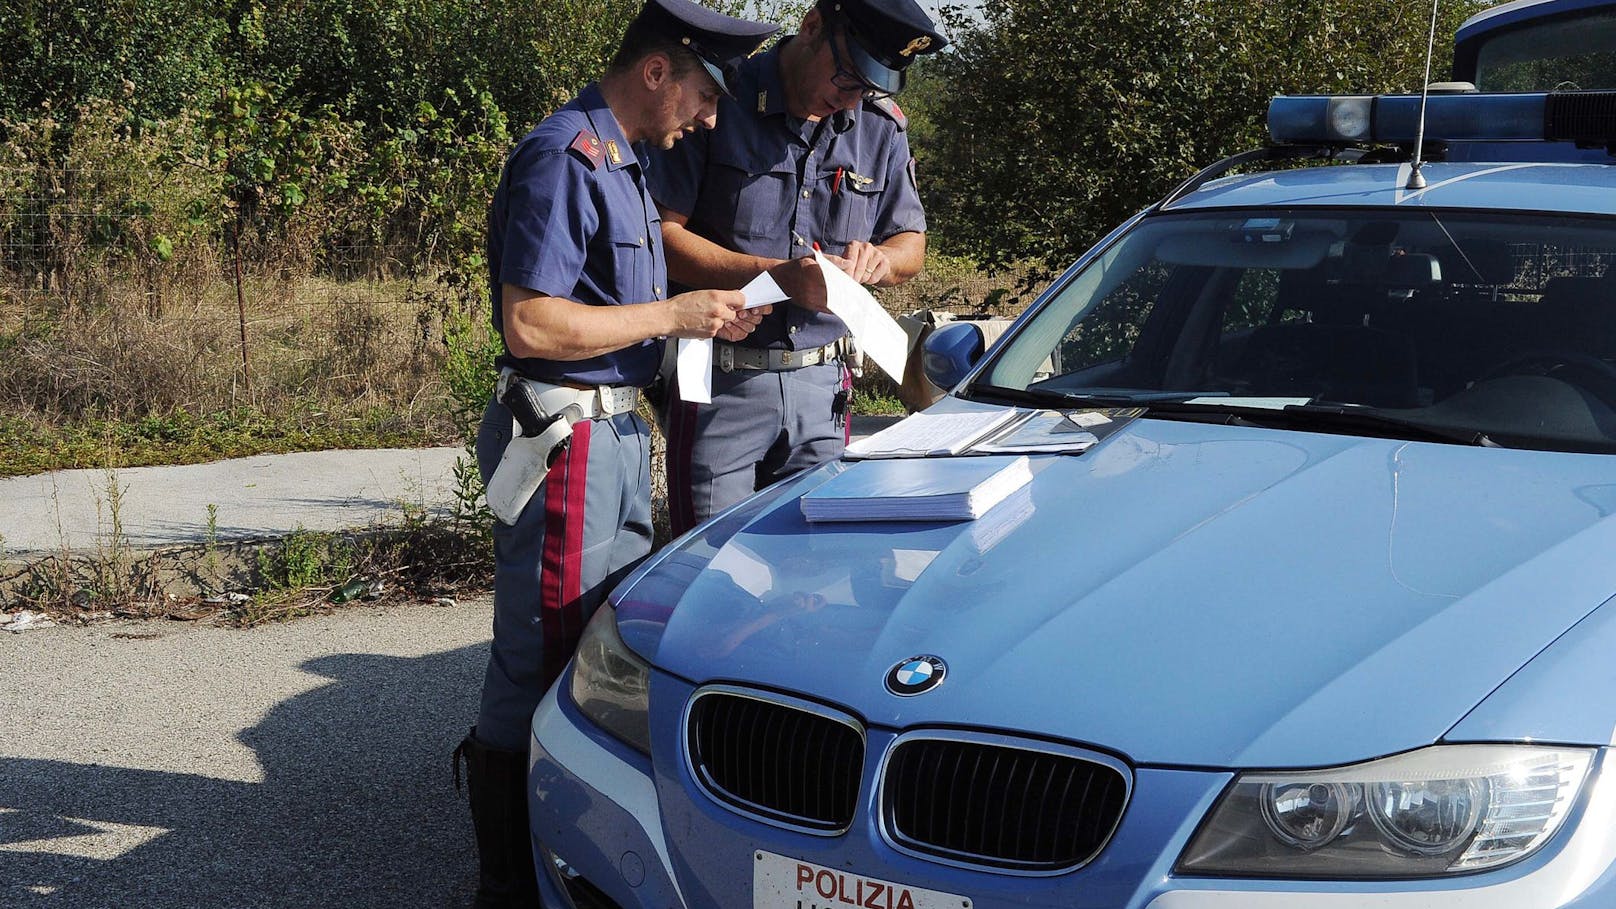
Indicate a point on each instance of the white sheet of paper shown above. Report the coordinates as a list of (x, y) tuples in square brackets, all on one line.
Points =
[(762, 290), (878, 335), (694, 367), (694, 363)]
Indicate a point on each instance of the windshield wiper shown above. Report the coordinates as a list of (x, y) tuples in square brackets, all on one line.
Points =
[(1048, 397), (1187, 404), (1337, 416)]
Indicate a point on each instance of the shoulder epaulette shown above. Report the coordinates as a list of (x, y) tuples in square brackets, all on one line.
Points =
[(893, 112), (588, 147)]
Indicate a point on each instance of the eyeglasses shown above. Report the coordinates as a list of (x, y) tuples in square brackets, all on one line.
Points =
[(848, 81)]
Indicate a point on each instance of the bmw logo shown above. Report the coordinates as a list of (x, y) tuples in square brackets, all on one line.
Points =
[(916, 675)]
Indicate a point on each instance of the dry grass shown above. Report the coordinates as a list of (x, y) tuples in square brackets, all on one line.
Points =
[(352, 344), (329, 364)]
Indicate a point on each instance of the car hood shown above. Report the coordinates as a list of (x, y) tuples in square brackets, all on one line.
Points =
[(1181, 594)]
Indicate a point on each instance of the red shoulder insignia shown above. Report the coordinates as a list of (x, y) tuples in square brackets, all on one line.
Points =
[(588, 144), (893, 112)]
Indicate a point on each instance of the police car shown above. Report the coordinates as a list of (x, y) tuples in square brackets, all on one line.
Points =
[(1308, 605)]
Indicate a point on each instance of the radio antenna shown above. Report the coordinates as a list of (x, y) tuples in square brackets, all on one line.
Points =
[(1416, 180)]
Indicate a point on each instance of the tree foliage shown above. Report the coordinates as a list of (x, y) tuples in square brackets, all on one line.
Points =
[(1062, 119), (59, 54)]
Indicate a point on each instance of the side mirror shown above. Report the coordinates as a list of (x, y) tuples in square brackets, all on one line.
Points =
[(950, 352)]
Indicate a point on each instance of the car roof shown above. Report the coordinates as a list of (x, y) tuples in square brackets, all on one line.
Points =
[(1533, 187), (1489, 20)]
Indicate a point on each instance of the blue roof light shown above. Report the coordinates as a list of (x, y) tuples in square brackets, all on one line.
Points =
[(1394, 119)]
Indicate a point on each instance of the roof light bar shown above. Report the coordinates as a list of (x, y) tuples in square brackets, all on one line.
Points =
[(1394, 119)]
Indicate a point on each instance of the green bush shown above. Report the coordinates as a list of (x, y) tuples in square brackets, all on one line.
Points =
[(1063, 119)]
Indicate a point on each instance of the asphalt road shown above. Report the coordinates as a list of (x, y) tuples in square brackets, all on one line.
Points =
[(159, 765)]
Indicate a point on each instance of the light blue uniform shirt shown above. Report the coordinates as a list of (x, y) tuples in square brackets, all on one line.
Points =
[(765, 183), (573, 218)]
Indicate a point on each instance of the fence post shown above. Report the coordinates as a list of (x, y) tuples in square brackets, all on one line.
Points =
[(241, 300)]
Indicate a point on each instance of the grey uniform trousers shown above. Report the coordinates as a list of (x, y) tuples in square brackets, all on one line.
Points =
[(585, 529), (762, 426)]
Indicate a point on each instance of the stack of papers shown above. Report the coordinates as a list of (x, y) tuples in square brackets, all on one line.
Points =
[(927, 433), (930, 489)]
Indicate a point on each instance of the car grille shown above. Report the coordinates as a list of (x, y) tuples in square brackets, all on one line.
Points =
[(1005, 807), (788, 764)]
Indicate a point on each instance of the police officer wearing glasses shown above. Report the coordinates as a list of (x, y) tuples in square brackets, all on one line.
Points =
[(810, 152), (581, 303)]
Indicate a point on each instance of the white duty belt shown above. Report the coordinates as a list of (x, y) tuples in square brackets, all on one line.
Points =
[(731, 357), (593, 403), (527, 459)]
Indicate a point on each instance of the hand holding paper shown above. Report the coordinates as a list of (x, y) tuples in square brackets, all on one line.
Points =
[(877, 334), (694, 360)]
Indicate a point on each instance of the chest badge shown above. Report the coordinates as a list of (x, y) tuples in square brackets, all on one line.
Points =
[(916, 675)]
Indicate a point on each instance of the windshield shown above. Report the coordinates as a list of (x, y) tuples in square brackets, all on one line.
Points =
[(1496, 324), (1565, 53)]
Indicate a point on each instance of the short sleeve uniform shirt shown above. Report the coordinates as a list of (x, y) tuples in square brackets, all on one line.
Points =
[(573, 218), (766, 183)]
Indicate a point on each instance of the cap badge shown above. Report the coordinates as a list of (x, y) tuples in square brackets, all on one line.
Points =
[(612, 152), (919, 44), (916, 675)]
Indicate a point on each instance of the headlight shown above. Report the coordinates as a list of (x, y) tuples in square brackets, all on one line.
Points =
[(610, 683), (1436, 811)]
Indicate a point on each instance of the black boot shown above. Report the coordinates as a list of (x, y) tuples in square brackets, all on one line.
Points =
[(497, 781)]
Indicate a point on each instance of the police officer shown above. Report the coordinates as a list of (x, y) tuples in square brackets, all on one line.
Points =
[(810, 153), (580, 294)]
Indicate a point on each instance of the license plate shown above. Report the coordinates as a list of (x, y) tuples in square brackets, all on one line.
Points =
[(782, 882)]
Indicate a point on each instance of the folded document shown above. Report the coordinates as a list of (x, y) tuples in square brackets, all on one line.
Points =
[(917, 489)]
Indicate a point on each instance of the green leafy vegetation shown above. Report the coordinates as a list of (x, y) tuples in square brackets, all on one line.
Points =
[(34, 446), (1052, 121)]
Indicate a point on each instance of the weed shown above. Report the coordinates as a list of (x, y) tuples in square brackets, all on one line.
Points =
[(876, 396), (112, 557), (305, 559), (210, 542)]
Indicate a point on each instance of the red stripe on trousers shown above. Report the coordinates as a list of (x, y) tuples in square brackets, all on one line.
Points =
[(681, 446), (562, 560)]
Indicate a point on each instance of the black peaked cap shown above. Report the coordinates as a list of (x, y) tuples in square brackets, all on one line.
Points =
[(887, 36), (718, 40)]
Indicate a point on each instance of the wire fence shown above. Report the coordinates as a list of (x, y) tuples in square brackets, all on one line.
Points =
[(118, 292)]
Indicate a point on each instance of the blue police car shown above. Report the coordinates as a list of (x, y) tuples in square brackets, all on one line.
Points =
[(1312, 608)]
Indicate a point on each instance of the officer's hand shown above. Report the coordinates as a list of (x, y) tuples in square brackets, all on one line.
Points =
[(802, 281), (865, 263), (744, 323), (706, 313)]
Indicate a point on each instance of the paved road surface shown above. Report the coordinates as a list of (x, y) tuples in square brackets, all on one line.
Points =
[(253, 498), (159, 765)]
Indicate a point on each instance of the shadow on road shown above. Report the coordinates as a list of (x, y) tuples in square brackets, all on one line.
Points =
[(356, 808)]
